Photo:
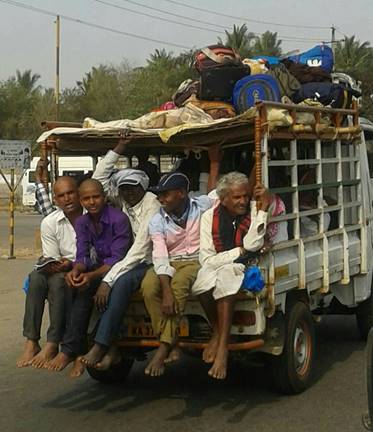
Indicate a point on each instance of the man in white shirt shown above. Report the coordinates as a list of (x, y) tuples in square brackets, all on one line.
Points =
[(228, 232), (58, 242), (114, 293)]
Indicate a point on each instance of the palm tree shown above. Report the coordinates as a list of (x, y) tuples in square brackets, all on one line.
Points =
[(187, 58), (161, 58), (267, 44), (240, 39), (100, 73), (27, 80), (351, 56)]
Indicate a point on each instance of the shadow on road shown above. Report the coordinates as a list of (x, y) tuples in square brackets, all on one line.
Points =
[(246, 387)]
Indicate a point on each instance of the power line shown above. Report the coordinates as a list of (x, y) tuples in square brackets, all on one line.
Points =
[(90, 24), (123, 33), (177, 15), (245, 19), (285, 38), (155, 17)]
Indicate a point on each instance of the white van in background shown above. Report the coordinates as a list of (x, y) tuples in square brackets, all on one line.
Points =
[(67, 165)]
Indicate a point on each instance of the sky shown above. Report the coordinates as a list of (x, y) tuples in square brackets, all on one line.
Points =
[(28, 37)]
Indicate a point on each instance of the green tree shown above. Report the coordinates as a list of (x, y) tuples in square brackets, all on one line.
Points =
[(161, 57), (352, 56), (267, 44), (100, 94), (18, 96), (240, 39), (27, 80)]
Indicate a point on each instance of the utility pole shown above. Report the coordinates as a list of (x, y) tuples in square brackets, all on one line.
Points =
[(333, 37), (57, 85), (333, 42)]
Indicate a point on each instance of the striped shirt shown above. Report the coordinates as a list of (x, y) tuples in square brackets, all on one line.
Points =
[(171, 241)]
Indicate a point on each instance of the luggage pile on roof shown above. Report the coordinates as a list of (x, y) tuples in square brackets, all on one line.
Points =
[(229, 85), (227, 90)]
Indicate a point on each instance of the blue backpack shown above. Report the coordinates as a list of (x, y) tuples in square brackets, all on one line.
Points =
[(320, 55), (254, 88)]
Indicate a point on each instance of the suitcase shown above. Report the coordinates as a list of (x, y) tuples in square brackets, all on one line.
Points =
[(252, 89), (335, 95), (218, 83)]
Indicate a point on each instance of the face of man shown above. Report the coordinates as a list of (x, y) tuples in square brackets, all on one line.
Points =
[(237, 200), (173, 200), (92, 198), (66, 195), (132, 195)]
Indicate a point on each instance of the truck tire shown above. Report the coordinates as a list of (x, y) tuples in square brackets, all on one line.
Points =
[(292, 370), (364, 317), (116, 374)]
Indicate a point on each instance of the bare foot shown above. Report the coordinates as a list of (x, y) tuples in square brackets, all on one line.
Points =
[(111, 358), (44, 356), (219, 368), (29, 352), (156, 365), (209, 353), (174, 355), (78, 369), (94, 355), (59, 362)]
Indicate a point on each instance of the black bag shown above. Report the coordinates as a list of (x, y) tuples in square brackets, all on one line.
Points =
[(218, 83), (335, 95)]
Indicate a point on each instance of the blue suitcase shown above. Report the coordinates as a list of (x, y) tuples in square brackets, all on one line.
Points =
[(254, 88)]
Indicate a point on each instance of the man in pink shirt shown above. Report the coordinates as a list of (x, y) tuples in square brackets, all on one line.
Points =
[(174, 231)]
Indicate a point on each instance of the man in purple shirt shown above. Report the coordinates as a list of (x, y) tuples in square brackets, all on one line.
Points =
[(103, 238)]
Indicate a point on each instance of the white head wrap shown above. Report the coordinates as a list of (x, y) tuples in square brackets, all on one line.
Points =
[(128, 176)]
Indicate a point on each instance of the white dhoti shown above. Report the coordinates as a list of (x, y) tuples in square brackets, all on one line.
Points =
[(225, 280)]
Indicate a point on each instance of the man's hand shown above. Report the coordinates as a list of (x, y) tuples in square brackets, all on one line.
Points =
[(41, 170), (83, 281), (61, 266), (262, 197), (101, 297), (168, 306), (73, 277), (120, 148)]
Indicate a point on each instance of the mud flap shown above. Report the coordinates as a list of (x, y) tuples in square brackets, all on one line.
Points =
[(274, 336)]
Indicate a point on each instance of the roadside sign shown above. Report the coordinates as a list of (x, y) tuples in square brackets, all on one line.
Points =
[(15, 154)]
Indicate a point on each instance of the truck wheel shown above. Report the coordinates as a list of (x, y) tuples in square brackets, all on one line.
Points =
[(364, 317), (292, 370), (116, 374)]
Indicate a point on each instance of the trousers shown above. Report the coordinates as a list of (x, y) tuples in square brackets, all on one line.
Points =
[(44, 287), (181, 283), (120, 296), (80, 302)]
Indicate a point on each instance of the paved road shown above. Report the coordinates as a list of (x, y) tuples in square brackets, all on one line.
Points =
[(184, 399), (25, 226)]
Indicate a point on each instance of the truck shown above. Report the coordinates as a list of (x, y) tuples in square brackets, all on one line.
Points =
[(317, 159)]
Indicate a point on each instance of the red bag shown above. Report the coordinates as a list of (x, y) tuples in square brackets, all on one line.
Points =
[(215, 56)]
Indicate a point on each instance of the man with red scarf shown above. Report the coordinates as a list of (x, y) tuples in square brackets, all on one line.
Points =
[(229, 231)]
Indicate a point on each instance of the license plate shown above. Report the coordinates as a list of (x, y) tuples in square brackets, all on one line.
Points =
[(142, 329)]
